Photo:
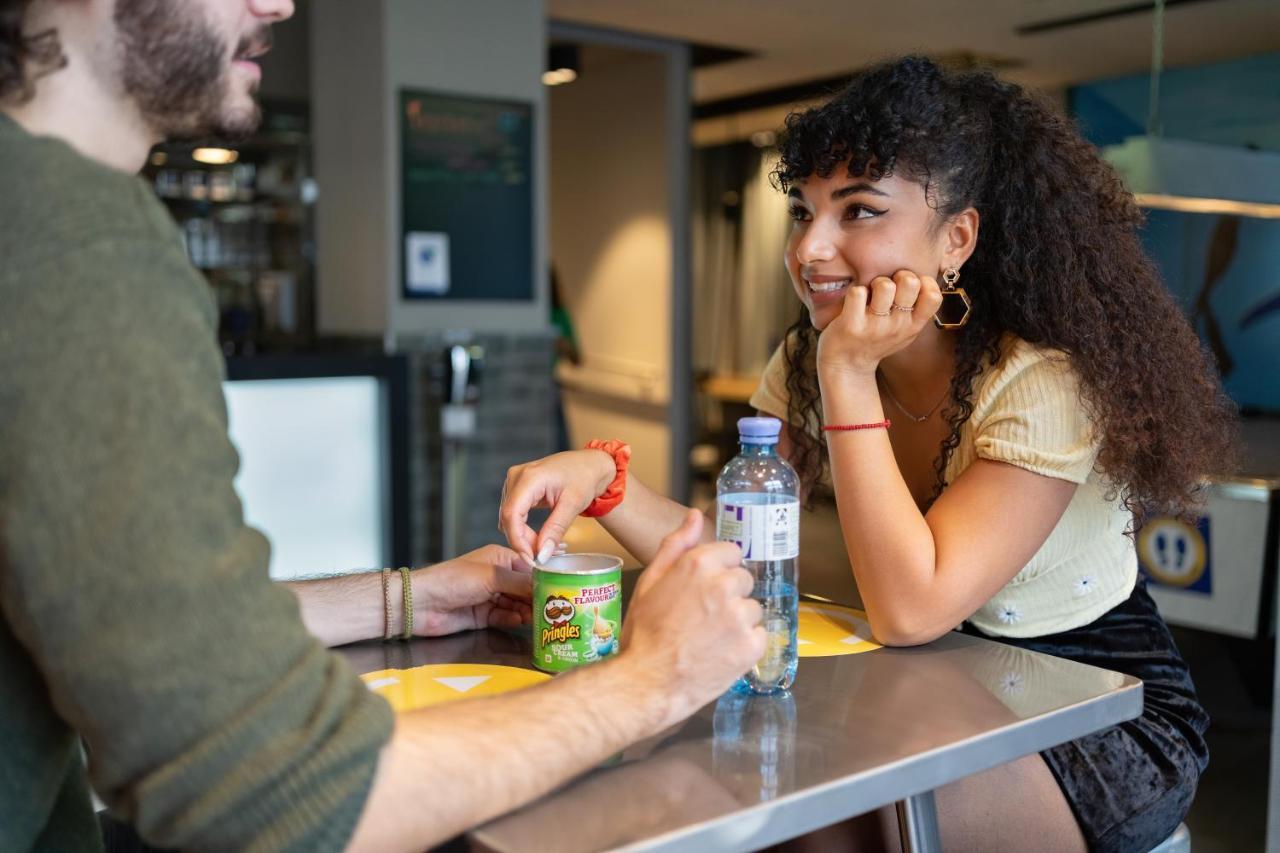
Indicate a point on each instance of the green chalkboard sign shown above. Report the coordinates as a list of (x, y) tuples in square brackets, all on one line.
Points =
[(466, 167)]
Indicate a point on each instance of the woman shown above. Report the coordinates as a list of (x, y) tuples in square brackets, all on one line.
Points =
[(1056, 402)]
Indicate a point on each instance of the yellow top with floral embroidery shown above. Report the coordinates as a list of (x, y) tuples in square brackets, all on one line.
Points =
[(1027, 412)]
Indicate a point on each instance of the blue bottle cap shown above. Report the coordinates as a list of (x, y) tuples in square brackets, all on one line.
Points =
[(759, 430)]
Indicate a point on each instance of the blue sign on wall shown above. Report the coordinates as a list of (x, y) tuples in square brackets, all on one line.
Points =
[(1175, 554)]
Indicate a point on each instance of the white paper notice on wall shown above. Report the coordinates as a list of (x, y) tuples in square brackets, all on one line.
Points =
[(426, 262)]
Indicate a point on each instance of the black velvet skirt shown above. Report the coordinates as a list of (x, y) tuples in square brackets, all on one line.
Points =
[(1130, 785)]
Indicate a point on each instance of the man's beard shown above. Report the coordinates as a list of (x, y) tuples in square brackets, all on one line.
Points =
[(174, 65)]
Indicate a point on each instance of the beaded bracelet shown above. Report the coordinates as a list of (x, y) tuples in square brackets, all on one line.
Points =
[(407, 589)]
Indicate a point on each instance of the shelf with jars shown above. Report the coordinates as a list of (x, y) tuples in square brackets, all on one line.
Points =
[(245, 211)]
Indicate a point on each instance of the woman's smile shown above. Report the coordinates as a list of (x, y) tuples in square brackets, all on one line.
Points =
[(826, 289)]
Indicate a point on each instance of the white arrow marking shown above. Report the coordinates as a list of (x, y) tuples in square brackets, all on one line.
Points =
[(382, 682), (463, 683)]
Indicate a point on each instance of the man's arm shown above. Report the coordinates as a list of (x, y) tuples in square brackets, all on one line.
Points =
[(446, 770), (347, 608), (452, 767)]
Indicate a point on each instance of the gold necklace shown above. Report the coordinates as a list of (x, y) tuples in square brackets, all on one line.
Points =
[(916, 418)]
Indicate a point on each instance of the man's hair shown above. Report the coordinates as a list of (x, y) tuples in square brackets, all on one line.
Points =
[(24, 57)]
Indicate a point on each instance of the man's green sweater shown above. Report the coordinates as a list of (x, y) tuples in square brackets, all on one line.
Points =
[(136, 614)]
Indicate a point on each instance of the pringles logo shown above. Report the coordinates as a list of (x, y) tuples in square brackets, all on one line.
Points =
[(561, 634)]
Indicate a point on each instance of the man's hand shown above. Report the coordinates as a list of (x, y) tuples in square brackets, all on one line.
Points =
[(692, 622), (487, 588)]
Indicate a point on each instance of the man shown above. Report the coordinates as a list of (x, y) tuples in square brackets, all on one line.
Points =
[(137, 615)]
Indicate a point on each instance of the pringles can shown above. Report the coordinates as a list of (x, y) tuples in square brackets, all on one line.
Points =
[(577, 610)]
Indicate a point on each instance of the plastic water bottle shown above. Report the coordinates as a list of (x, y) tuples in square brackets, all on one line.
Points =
[(758, 509)]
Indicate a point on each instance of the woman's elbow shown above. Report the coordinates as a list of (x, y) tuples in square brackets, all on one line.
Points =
[(905, 629)]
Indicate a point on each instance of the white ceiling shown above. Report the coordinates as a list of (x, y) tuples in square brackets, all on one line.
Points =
[(800, 40)]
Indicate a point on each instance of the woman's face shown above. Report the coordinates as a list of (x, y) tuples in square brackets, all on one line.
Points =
[(849, 230)]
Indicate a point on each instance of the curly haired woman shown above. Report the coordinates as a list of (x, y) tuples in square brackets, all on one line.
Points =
[(1044, 398)]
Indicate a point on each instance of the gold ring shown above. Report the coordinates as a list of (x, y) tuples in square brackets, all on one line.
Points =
[(879, 313), (897, 307)]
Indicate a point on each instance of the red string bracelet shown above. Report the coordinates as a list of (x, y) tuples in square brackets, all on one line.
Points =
[(884, 424)]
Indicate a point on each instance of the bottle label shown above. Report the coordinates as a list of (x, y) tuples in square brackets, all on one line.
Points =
[(762, 531)]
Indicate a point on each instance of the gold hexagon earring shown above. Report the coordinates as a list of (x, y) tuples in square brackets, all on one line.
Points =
[(955, 308)]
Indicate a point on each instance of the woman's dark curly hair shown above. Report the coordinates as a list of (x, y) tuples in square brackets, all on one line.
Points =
[(24, 57), (1058, 263)]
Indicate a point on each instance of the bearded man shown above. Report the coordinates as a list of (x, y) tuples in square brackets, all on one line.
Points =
[(144, 651)]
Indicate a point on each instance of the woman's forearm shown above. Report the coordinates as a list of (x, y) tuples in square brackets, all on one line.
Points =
[(890, 545), (644, 517)]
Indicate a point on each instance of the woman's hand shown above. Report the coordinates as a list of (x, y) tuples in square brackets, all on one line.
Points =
[(566, 482), (878, 321), (487, 588)]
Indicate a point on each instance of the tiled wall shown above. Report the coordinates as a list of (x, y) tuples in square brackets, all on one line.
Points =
[(515, 422)]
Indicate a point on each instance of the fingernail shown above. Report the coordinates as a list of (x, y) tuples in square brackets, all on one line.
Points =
[(548, 548)]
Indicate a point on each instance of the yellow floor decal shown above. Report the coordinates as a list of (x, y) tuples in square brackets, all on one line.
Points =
[(407, 689), (828, 629)]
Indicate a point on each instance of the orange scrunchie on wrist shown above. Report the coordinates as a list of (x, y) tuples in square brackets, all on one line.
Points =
[(613, 494)]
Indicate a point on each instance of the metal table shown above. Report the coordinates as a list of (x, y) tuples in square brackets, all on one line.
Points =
[(857, 732)]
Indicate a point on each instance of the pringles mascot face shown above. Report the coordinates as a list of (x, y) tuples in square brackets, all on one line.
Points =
[(558, 610)]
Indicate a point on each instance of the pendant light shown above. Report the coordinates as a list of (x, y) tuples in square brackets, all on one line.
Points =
[(1193, 177)]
